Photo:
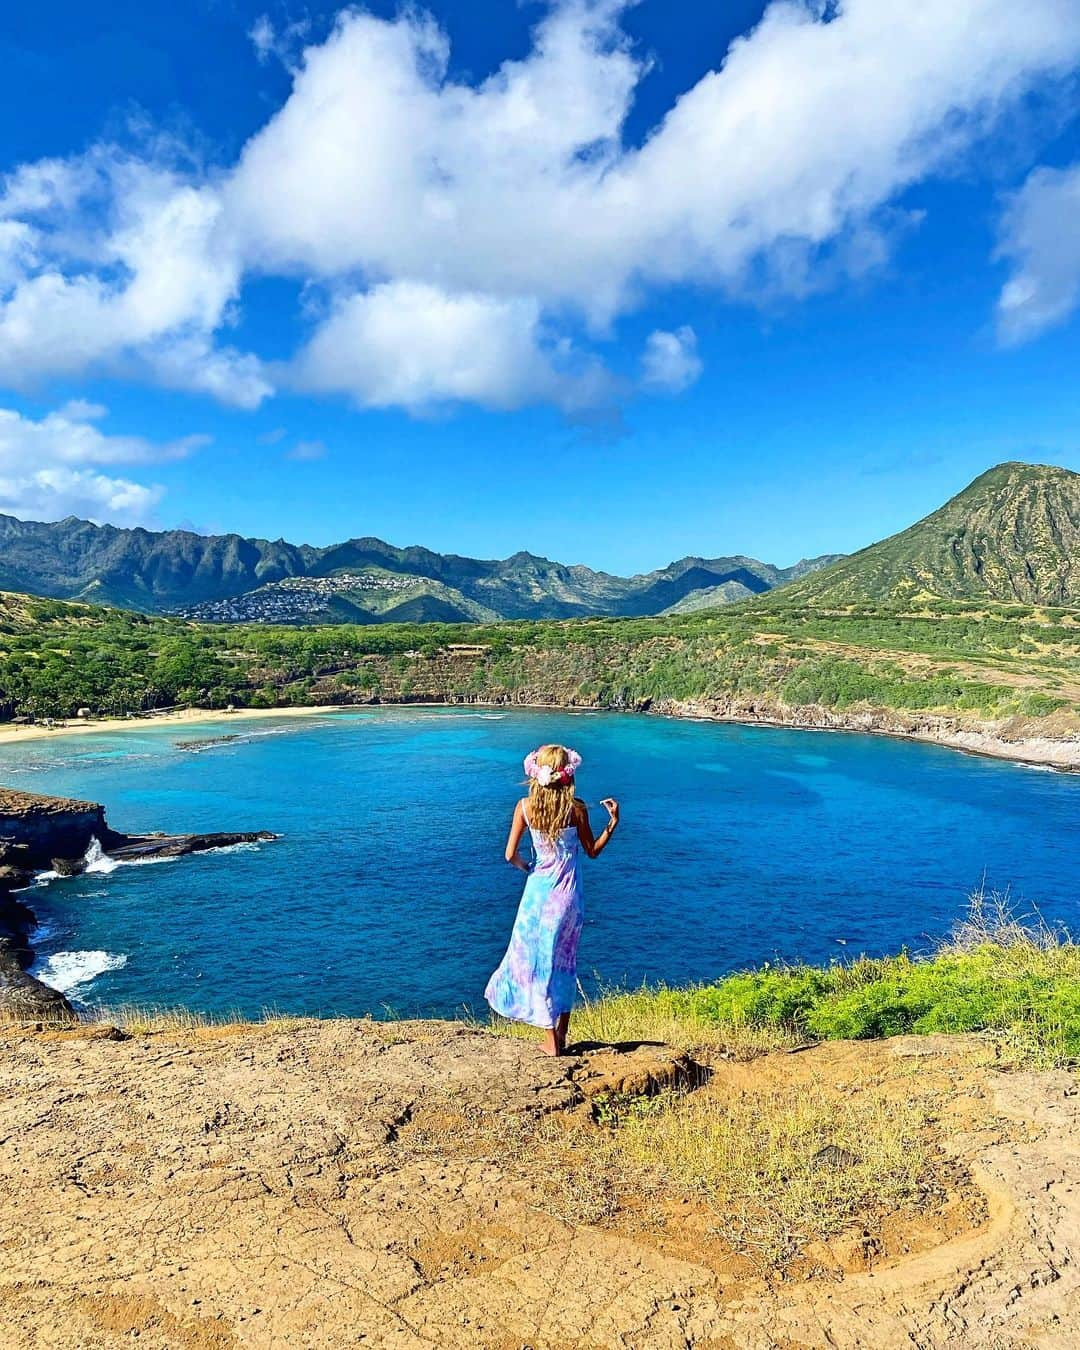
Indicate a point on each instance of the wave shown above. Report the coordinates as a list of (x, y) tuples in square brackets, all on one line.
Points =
[(66, 971), (278, 731), (460, 716), (96, 859)]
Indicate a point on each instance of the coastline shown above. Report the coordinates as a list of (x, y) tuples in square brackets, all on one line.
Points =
[(15, 735), (1041, 751)]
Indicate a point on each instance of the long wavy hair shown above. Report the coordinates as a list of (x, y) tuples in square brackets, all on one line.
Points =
[(551, 808)]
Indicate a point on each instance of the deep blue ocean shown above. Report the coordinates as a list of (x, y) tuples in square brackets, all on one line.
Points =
[(388, 890)]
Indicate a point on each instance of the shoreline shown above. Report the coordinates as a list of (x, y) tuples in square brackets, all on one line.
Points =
[(1042, 752), (15, 735)]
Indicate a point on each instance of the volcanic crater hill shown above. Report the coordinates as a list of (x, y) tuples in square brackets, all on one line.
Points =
[(227, 578), (1011, 535)]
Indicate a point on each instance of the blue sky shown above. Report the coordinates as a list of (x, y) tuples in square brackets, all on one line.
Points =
[(613, 283)]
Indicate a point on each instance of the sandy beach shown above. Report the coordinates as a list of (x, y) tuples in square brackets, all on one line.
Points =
[(14, 735)]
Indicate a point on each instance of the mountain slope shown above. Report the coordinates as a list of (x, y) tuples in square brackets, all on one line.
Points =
[(138, 569), (1012, 535), (739, 587), (226, 578)]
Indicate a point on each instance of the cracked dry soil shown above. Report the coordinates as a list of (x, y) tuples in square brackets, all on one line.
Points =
[(258, 1186)]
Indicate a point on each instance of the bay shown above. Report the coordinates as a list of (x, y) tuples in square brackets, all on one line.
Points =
[(387, 891)]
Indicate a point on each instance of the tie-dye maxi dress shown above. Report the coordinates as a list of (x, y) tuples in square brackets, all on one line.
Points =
[(536, 979)]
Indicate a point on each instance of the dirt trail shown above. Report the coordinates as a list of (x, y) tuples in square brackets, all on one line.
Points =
[(261, 1187)]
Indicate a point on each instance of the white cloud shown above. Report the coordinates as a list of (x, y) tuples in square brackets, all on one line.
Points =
[(191, 361), (124, 265), (522, 186), (411, 345), (262, 37), (50, 468), (1040, 237), (306, 452), (670, 363), (269, 41), (82, 410), (460, 233), (53, 494)]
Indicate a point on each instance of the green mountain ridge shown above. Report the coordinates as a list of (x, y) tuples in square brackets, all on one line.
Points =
[(1011, 535), (228, 578)]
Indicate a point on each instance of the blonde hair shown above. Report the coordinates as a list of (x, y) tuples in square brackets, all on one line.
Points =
[(551, 808)]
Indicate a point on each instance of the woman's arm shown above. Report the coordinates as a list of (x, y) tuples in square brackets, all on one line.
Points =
[(518, 827), (594, 847)]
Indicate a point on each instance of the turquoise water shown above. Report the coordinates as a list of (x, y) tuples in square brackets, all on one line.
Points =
[(388, 889)]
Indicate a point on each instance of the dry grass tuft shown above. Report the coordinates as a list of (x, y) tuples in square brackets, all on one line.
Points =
[(140, 1020), (781, 1168)]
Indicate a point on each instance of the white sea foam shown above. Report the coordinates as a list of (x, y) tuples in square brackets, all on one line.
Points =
[(96, 859), (66, 971), (242, 737), (460, 716)]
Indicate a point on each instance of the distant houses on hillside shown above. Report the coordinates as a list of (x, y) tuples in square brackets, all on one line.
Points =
[(295, 599)]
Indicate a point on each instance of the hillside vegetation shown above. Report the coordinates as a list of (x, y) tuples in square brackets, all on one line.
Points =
[(1013, 534), (924, 623), (983, 660), (1026, 992)]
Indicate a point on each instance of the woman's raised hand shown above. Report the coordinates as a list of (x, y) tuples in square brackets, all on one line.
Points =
[(611, 806)]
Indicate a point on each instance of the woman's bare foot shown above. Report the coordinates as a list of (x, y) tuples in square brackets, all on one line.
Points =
[(551, 1044), (562, 1026)]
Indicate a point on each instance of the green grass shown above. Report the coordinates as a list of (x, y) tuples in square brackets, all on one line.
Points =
[(1017, 982)]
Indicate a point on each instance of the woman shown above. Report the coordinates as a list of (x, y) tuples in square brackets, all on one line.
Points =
[(537, 978)]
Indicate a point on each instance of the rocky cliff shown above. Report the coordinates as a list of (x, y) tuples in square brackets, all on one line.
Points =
[(39, 832), (587, 677), (45, 828)]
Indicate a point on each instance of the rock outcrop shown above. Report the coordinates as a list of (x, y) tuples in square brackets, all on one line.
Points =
[(58, 833), (49, 827), (321, 1185)]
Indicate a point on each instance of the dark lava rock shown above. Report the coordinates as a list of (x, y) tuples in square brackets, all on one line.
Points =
[(205, 742), (35, 831), (142, 846), (27, 999), (68, 867), (832, 1155)]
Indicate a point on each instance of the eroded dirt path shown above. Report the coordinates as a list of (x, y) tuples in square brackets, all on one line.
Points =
[(266, 1186)]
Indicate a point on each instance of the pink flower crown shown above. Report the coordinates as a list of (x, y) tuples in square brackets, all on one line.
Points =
[(547, 776)]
